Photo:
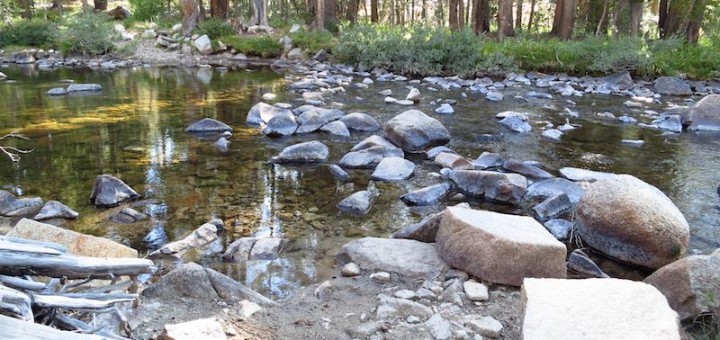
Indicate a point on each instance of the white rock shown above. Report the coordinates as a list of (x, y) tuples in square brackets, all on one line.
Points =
[(295, 28), (149, 34), (194, 330), (203, 44), (414, 95), (404, 294), (390, 100), (386, 93), (484, 325), (350, 269), (380, 277), (596, 309), (439, 327), (269, 96), (445, 109), (248, 308), (391, 307), (476, 291), (176, 28)]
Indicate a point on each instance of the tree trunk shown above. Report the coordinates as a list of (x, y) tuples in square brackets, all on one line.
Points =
[(27, 8), (320, 15), (374, 10), (352, 11), (219, 8), (481, 16), (412, 11), (259, 8), (505, 19), (692, 33), (636, 12), (453, 12), (662, 15), (532, 15), (564, 20), (191, 13), (628, 16), (101, 5), (57, 5), (461, 14), (423, 11), (677, 18), (518, 15)]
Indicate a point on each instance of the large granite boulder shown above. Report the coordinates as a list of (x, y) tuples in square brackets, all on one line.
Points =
[(308, 152), (498, 247), (408, 258), (672, 86), (208, 125), (494, 186), (691, 284), (76, 243), (414, 131), (704, 115), (281, 125), (360, 122), (110, 191), (595, 309), (632, 221)]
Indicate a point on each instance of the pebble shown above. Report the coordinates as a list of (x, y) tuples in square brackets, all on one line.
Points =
[(380, 277), (475, 291), (405, 294), (351, 269), (412, 319)]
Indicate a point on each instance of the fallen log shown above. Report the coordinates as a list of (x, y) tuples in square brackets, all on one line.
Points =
[(52, 245), (67, 323), (18, 329), (87, 303), (69, 266), (18, 283), (15, 304)]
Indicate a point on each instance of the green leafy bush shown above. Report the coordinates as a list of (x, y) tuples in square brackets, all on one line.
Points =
[(313, 41), (262, 46), (215, 28), (88, 34), (39, 33), (146, 10)]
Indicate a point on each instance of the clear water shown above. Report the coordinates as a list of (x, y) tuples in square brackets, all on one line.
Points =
[(133, 129)]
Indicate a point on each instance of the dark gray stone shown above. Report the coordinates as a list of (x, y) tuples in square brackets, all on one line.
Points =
[(516, 124), (494, 186), (616, 82), (423, 231), (281, 125), (428, 195), (55, 209), (526, 170), (672, 86), (128, 216), (360, 122), (671, 123), (336, 128), (208, 125), (433, 152), (414, 131), (553, 206), (11, 206), (58, 91), (361, 159), (704, 115), (359, 203), (308, 152), (110, 191), (393, 169), (310, 121), (555, 186), (559, 228), (488, 160), (84, 88), (262, 113), (338, 172), (580, 263)]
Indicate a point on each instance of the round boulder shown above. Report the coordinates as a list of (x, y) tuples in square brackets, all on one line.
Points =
[(308, 152), (632, 221), (414, 131)]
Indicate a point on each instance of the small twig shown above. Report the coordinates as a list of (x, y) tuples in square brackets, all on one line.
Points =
[(12, 152), (14, 134)]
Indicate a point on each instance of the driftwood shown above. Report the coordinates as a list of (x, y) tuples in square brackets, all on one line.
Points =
[(23, 300)]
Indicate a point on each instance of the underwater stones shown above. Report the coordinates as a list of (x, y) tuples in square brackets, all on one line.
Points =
[(208, 125)]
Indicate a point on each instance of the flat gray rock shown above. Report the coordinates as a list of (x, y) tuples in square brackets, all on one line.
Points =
[(408, 258), (360, 122), (208, 125), (427, 195), (393, 169), (308, 152), (577, 175), (336, 128), (55, 209), (84, 88)]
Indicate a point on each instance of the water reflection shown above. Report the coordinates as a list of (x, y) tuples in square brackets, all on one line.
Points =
[(134, 129)]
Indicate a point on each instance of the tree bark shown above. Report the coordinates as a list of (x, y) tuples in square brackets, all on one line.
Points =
[(677, 18), (57, 5), (320, 15), (191, 13), (352, 11), (101, 5), (260, 12), (374, 10), (219, 8), (532, 15), (564, 20), (461, 14), (27, 8), (481, 16), (505, 19), (692, 33), (518, 14), (662, 16), (453, 11)]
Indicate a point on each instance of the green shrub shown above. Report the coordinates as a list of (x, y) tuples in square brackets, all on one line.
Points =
[(262, 46), (313, 41), (215, 28), (88, 34), (39, 33), (146, 10)]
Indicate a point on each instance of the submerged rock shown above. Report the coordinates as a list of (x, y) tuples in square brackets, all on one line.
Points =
[(359, 203), (338, 172), (110, 191), (414, 131), (208, 125), (308, 152), (481, 242), (58, 91), (516, 122), (632, 221), (526, 170), (84, 88)]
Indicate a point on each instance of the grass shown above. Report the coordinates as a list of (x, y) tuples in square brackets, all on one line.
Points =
[(313, 41), (261, 46)]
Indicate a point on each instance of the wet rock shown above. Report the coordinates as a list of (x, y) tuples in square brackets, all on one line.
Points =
[(413, 95), (128, 216), (414, 131), (526, 170), (55, 209), (445, 109), (553, 206), (394, 308), (423, 231), (480, 242), (308, 152), (247, 308), (453, 161), (197, 329), (349, 270), (671, 123), (239, 250), (616, 82), (577, 175), (336, 128), (208, 125), (24, 57), (559, 228), (110, 191), (488, 160), (621, 309), (427, 195), (690, 284), (495, 186), (476, 291), (360, 122), (281, 125), (76, 243), (380, 277), (393, 169), (373, 141), (404, 102), (554, 135), (262, 113), (627, 119), (632, 221), (359, 203), (555, 186), (222, 144), (267, 248), (58, 91), (11, 206), (484, 325), (310, 121), (199, 238), (438, 327), (705, 114), (580, 263), (516, 123), (363, 159), (387, 92), (408, 258), (338, 172), (434, 152), (84, 88), (672, 86), (494, 96)]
